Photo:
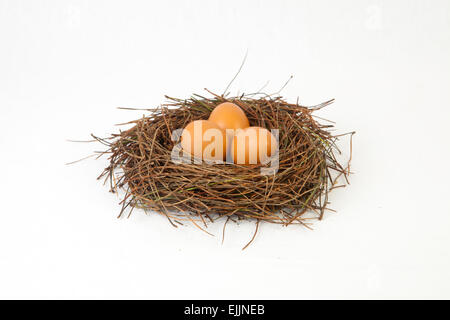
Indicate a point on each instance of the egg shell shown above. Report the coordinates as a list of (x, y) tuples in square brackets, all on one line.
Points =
[(253, 145), (204, 139)]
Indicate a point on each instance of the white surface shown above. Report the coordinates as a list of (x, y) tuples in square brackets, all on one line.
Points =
[(66, 65)]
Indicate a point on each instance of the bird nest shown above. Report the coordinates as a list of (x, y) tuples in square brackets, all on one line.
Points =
[(295, 191)]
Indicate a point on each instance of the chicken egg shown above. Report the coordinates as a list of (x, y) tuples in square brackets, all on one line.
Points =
[(253, 145), (204, 139), (227, 115)]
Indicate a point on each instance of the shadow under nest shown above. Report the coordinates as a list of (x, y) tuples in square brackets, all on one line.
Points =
[(141, 165)]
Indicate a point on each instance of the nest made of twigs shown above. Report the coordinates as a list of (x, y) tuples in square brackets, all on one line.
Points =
[(141, 164)]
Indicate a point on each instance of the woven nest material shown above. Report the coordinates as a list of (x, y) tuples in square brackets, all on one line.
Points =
[(141, 164)]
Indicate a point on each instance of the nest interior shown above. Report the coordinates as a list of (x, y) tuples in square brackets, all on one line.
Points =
[(140, 163)]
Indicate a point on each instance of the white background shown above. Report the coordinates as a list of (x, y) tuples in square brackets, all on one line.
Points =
[(65, 67)]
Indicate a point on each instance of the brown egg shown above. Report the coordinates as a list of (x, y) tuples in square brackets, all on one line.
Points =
[(253, 145), (227, 115), (204, 139)]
